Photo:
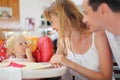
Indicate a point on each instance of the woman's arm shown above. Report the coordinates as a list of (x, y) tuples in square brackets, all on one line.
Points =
[(61, 50), (105, 55)]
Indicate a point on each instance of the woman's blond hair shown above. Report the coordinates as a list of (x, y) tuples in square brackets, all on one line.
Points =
[(11, 42), (68, 14)]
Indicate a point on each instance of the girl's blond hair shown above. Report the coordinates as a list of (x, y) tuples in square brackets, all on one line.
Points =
[(11, 42)]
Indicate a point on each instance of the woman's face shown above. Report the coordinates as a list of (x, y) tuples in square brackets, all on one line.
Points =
[(54, 21), (20, 46)]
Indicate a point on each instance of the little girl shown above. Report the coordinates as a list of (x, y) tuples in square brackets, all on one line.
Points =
[(18, 50)]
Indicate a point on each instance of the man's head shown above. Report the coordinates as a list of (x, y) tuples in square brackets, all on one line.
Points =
[(114, 5), (100, 14)]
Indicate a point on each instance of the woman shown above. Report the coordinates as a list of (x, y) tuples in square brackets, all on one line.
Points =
[(87, 55)]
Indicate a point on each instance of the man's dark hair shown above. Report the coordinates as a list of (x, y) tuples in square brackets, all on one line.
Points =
[(113, 4)]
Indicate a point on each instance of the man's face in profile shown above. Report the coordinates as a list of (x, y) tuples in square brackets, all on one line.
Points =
[(91, 18)]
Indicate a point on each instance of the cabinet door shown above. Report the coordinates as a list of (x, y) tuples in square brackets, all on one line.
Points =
[(3, 3), (14, 5)]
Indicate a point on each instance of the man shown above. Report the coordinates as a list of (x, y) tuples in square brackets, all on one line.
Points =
[(104, 14)]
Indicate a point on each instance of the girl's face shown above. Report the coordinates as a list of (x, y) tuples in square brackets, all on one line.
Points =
[(54, 21), (20, 46)]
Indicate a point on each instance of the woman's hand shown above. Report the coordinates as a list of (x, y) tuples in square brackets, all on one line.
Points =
[(57, 60)]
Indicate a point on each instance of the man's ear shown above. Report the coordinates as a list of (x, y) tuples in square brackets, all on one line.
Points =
[(104, 9)]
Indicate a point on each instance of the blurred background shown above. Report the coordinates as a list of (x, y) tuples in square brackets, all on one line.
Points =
[(26, 17)]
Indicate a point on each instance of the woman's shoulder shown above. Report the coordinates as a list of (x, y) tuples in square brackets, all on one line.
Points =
[(100, 37), (100, 33)]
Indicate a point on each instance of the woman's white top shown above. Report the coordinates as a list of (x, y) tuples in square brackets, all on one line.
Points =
[(89, 59)]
